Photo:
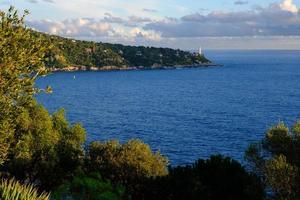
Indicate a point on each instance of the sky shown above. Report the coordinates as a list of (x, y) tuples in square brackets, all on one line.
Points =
[(183, 24)]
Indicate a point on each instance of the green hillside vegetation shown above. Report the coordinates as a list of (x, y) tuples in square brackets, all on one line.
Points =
[(149, 56), (69, 52)]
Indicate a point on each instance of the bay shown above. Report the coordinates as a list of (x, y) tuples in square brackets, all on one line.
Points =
[(186, 114)]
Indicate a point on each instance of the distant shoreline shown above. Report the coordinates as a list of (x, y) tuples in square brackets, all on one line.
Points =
[(126, 68)]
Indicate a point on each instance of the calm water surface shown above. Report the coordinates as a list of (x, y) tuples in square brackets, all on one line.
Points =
[(188, 113)]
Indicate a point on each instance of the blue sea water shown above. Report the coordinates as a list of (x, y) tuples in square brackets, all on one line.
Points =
[(189, 113)]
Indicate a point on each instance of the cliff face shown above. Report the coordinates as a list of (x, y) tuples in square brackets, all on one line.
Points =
[(86, 55)]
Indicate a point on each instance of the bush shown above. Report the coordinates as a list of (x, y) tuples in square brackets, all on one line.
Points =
[(127, 164), (46, 149), (89, 187), (212, 179), (13, 190)]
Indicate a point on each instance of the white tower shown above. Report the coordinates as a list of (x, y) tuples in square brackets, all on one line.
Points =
[(200, 51)]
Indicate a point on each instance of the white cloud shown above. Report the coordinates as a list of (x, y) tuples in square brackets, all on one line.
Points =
[(288, 5), (149, 35), (80, 27), (98, 30)]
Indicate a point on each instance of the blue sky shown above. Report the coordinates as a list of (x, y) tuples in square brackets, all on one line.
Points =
[(185, 24)]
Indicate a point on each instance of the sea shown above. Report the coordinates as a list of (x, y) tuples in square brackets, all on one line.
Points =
[(186, 114)]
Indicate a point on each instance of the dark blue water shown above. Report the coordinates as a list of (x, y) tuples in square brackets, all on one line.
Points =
[(186, 114)]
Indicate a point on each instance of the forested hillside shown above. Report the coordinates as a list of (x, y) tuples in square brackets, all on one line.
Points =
[(69, 52)]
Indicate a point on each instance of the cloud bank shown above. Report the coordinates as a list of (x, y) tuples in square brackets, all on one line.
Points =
[(277, 21), (274, 20)]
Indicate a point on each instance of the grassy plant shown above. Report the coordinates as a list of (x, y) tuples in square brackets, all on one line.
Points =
[(13, 190)]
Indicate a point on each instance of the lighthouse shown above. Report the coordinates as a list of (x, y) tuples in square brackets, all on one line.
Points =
[(200, 51)]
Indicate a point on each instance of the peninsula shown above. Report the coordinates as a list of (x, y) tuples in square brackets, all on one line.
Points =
[(73, 55)]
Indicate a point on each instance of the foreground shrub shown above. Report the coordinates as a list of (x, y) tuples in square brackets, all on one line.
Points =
[(126, 164), (46, 149), (13, 190), (212, 179), (89, 187)]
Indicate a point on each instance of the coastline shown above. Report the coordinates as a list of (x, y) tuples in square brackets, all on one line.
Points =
[(130, 68)]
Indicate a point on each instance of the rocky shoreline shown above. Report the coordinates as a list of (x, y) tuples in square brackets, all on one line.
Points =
[(125, 68)]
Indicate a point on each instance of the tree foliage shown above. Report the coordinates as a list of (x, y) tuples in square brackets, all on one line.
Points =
[(282, 177), (21, 62), (276, 160), (127, 164), (46, 148), (89, 187), (41, 148), (212, 179)]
